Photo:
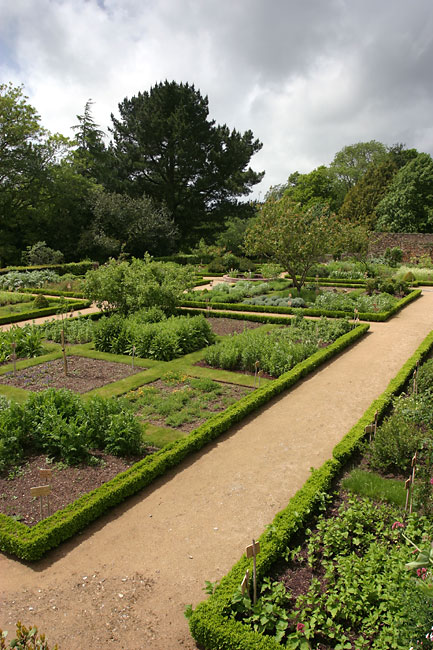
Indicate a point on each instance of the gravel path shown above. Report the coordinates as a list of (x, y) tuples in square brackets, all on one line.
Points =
[(123, 583)]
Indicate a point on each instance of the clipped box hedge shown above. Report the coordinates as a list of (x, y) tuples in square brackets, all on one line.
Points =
[(208, 625), (32, 543), (76, 268), (367, 316), (47, 311)]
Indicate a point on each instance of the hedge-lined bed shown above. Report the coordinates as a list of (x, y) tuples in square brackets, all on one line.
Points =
[(32, 544), (208, 625), (367, 316), (47, 311), (76, 268)]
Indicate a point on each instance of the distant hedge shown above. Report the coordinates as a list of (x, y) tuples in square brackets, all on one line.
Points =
[(76, 268)]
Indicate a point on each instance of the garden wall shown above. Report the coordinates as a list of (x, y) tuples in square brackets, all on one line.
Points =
[(412, 244)]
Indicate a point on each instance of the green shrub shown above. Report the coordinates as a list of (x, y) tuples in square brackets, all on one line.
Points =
[(409, 277), (27, 340), (75, 330), (163, 341), (396, 441), (40, 302), (393, 256)]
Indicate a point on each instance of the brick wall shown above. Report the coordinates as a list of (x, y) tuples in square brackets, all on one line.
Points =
[(412, 244)]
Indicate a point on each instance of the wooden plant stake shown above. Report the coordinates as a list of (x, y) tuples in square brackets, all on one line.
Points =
[(133, 355), (413, 463), (65, 360), (252, 551), (415, 379), (260, 373), (42, 491), (245, 582), (256, 369), (14, 355), (407, 485)]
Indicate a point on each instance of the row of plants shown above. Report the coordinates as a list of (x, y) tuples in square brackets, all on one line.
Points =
[(170, 338), (75, 268), (16, 280), (63, 426), (277, 351), (226, 292), (369, 599), (26, 341), (19, 540), (379, 316)]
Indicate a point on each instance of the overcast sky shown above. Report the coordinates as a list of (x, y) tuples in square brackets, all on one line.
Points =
[(306, 76)]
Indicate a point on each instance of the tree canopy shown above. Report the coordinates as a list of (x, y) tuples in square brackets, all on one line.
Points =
[(293, 236), (166, 147), (408, 205)]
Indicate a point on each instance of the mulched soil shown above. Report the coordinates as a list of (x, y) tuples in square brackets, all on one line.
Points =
[(68, 483), (223, 326), (230, 390), (83, 374)]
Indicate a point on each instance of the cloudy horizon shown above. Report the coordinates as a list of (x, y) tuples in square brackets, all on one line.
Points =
[(307, 79)]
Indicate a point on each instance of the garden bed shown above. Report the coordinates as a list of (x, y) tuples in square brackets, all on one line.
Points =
[(84, 374), (68, 483)]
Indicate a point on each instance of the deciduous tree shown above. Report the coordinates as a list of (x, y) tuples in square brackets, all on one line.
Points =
[(293, 236)]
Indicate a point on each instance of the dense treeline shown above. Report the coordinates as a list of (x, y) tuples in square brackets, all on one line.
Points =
[(165, 177)]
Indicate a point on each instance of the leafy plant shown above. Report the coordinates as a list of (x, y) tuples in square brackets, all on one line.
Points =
[(26, 638)]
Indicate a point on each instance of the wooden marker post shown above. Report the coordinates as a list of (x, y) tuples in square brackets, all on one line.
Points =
[(252, 551), (412, 478), (415, 379), (14, 355), (133, 355), (256, 369), (42, 491), (245, 582), (260, 373), (47, 474), (65, 360), (407, 485)]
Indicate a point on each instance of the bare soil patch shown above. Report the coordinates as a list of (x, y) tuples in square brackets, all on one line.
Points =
[(224, 326), (83, 374), (68, 483)]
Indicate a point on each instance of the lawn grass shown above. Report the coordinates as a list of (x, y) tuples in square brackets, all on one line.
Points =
[(371, 485)]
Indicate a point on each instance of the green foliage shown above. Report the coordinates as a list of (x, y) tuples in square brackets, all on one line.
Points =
[(40, 253), (165, 340), (408, 205), (40, 302), (59, 424), (25, 639), (130, 225), (18, 279), (27, 339), (374, 486), (166, 147), (139, 284), (232, 238), (228, 293), (315, 187), (16, 538), (402, 433), (360, 202), (276, 351), (76, 330), (353, 161), (393, 256), (271, 270), (294, 237)]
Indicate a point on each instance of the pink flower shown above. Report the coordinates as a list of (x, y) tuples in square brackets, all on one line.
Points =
[(300, 627), (431, 481), (397, 524)]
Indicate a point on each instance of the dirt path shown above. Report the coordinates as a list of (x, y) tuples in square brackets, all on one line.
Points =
[(123, 583), (44, 319)]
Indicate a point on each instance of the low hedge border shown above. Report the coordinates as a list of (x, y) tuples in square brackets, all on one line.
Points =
[(76, 268), (48, 292), (255, 318), (208, 625), (367, 316), (32, 543), (39, 313)]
